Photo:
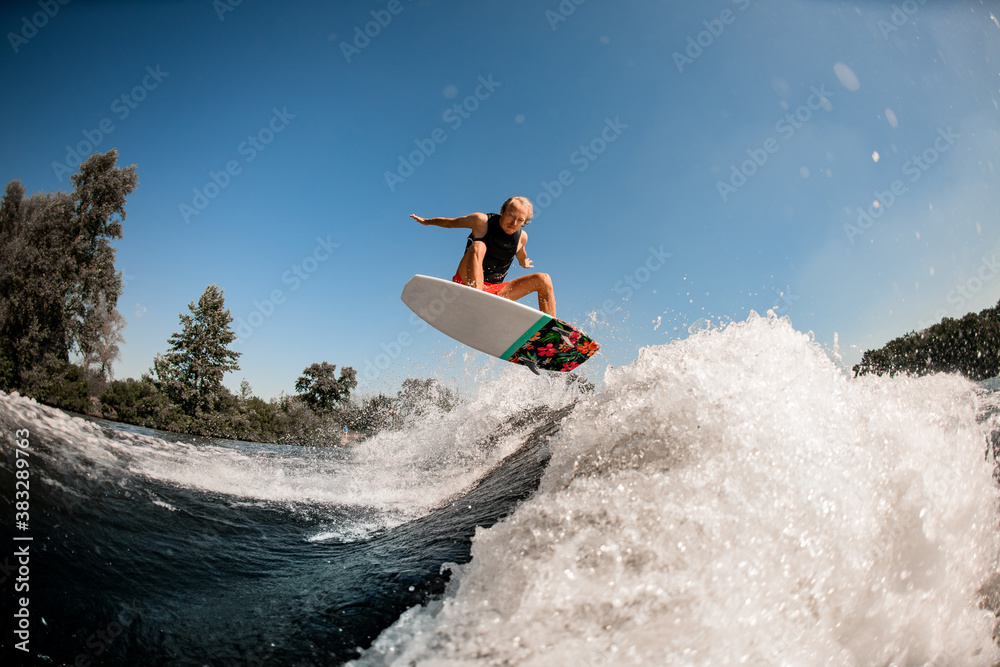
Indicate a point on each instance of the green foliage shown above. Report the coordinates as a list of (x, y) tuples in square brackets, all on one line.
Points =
[(261, 417), (223, 419), (299, 424), (139, 402), (57, 274), (371, 415), (970, 346), (59, 383), (191, 372), (8, 369), (417, 397), (99, 197), (415, 400), (59, 291), (321, 389), (103, 350)]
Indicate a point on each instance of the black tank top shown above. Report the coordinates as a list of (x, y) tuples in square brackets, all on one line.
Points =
[(501, 249)]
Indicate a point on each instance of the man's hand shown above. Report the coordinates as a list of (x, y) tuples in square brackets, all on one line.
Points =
[(422, 221), (526, 263)]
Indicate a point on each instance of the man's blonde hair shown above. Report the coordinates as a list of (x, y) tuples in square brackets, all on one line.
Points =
[(524, 201)]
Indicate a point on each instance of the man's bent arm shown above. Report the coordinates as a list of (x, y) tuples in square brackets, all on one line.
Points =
[(522, 252)]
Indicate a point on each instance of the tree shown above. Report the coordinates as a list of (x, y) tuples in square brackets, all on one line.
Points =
[(970, 346), (57, 382), (139, 402), (99, 195), (57, 273), (416, 396), (191, 372), (104, 350), (372, 415), (321, 389)]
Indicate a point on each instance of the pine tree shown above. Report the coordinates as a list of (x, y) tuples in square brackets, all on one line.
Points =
[(191, 372)]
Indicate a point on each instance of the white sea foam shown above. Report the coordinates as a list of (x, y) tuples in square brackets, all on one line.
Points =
[(164, 505), (735, 498), (352, 493)]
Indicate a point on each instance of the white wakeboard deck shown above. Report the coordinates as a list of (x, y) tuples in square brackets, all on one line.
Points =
[(483, 321)]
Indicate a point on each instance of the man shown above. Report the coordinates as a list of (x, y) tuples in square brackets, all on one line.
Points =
[(493, 243)]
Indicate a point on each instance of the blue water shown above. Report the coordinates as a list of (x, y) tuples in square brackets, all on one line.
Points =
[(178, 573), (734, 498)]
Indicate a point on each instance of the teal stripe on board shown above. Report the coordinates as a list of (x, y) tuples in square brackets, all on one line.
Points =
[(532, 330)]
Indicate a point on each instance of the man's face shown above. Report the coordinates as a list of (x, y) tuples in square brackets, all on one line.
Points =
[(514, 217)]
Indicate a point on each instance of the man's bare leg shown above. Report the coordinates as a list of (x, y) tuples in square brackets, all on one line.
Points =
[(470, 269), (536, 282)]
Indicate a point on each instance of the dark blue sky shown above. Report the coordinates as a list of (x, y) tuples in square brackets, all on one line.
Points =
[(280, 148)]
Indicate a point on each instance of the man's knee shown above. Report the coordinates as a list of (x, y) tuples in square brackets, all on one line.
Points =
[(546, 280), (478, 249)]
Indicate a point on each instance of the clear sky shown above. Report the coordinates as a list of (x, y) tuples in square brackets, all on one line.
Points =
[(687, 160)]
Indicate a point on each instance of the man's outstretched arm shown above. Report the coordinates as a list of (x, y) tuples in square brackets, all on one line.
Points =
[(474, 221)]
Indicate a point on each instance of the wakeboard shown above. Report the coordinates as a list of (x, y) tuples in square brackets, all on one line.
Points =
[(497, 326)]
